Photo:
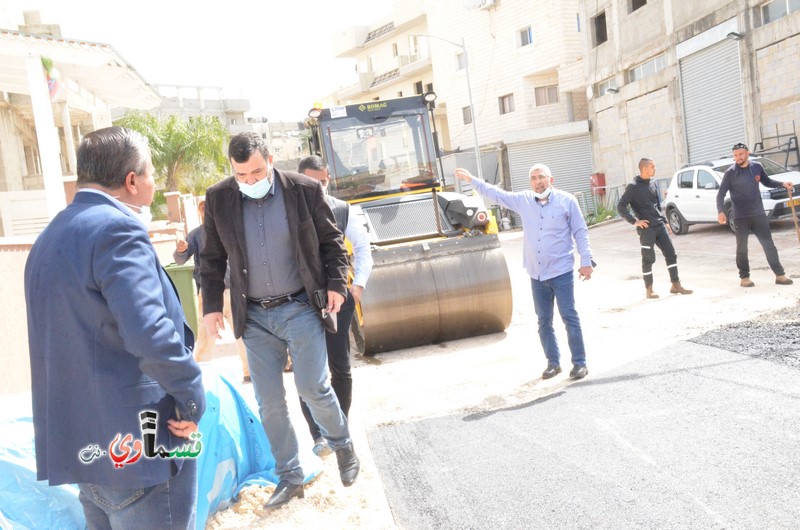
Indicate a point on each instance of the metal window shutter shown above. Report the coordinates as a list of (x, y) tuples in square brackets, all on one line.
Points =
[(569, 159), (713, 111)]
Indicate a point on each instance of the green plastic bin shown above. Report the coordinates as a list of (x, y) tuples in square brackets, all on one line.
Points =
[(187, 291)]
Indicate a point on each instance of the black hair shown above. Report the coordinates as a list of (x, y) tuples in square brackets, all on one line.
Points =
[(243, 145), (313, 162)]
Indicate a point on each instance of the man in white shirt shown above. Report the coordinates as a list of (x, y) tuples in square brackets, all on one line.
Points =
[(339, 343)]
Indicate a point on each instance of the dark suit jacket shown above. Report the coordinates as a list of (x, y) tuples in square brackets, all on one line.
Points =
[(318, 247), (108, 340)]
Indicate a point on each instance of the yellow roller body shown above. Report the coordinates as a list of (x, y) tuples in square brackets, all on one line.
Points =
[(432, 291)]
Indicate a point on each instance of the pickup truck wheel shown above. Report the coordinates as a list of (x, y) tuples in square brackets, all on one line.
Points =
[(676, 221)]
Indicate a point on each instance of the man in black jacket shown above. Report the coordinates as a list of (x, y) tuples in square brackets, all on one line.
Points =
[(651, 226), (288, 274)]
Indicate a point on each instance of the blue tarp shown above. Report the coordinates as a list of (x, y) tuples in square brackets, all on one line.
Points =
[(235, 454)]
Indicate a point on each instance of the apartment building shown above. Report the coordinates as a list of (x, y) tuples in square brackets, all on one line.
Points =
[(191, 101), (521, 60), (681, 82)]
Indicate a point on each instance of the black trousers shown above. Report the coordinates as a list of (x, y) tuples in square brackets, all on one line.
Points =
[(338, 362), (649, 238), (759, 225)]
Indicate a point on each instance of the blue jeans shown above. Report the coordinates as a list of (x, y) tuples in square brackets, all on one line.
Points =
[(171, 504), (268, 335), (562, 289)]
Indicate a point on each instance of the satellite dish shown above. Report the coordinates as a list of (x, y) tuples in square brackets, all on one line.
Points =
[(589, 92)]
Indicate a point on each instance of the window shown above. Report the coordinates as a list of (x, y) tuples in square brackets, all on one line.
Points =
[(413, 46), (371, 63), (506, 103), (418, 88), (395, 53), (600, 32), (636, 4), (772, 11), (233, 121), (546, 95), (429, 87), (578, 21), (603, 87), (647, 68), (466, 112), (706, 181), (461, 61), (525, 36), (686, 179), (399, 93)]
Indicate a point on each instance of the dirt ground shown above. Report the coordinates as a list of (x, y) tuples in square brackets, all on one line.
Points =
[(503, 369)]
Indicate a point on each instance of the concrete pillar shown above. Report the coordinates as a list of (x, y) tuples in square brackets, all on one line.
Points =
[(173, 206), (69, 140), (47, 136)]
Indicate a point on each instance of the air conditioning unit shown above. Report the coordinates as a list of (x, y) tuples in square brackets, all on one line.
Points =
[(485, 4)]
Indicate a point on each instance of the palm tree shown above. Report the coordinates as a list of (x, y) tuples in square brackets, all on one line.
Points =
[(182, 147)]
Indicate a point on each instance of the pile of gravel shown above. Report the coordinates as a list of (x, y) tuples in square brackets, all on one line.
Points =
[(773, 336)]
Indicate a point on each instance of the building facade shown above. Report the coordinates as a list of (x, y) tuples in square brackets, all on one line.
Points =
[(507, 71), (682, 82)]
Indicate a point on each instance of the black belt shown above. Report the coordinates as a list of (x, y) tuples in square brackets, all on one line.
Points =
[(269, 303)]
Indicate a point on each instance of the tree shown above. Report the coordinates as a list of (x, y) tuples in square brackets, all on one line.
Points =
[(182, 148)]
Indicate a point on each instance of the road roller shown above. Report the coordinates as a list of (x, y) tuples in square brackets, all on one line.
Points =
[(439, 273)]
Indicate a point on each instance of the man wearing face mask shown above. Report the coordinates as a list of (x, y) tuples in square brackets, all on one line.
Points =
[(339, 343), (288, 273), (553, 225), (109, 342)]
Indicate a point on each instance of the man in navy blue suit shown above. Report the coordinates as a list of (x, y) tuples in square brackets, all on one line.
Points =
[(116, 394)]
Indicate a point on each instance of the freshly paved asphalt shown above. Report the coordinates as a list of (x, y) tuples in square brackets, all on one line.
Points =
[(692, 436), (689, 417)]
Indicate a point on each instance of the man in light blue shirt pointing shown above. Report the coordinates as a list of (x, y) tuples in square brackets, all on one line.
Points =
[(553, 225)]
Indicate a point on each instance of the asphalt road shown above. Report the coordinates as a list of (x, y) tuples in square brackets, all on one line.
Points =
[(686, 420)]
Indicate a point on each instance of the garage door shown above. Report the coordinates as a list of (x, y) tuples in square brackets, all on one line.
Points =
[(569, 160), (713, 113)]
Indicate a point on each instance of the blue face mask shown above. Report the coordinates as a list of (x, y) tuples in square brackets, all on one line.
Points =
[(258, 190)]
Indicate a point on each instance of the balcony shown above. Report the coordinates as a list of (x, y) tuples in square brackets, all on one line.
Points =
[(415, 64), (350, 41), (237, 105), (364, 82)]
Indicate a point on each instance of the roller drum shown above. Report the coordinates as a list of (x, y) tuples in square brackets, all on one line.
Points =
[(428, 292)]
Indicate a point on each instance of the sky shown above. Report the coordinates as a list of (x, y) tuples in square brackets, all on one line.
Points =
[(277, 54)]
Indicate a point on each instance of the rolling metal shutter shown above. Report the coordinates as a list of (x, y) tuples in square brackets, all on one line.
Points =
[(713, 113), (569, 159)]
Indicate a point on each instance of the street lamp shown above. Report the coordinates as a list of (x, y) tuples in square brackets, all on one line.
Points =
[(463, 47), (430, 99)]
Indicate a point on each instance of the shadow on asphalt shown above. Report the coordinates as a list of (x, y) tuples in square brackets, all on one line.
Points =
[(476, 416)]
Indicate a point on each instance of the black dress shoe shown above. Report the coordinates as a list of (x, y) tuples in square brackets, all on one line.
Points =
[(551, 371), (348, 464), (578, 371), (284, 492)]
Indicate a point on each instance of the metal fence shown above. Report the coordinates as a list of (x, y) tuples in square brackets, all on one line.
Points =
[(601, 204)]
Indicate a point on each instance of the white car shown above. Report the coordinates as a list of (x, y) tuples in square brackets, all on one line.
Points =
[(692, 193)]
